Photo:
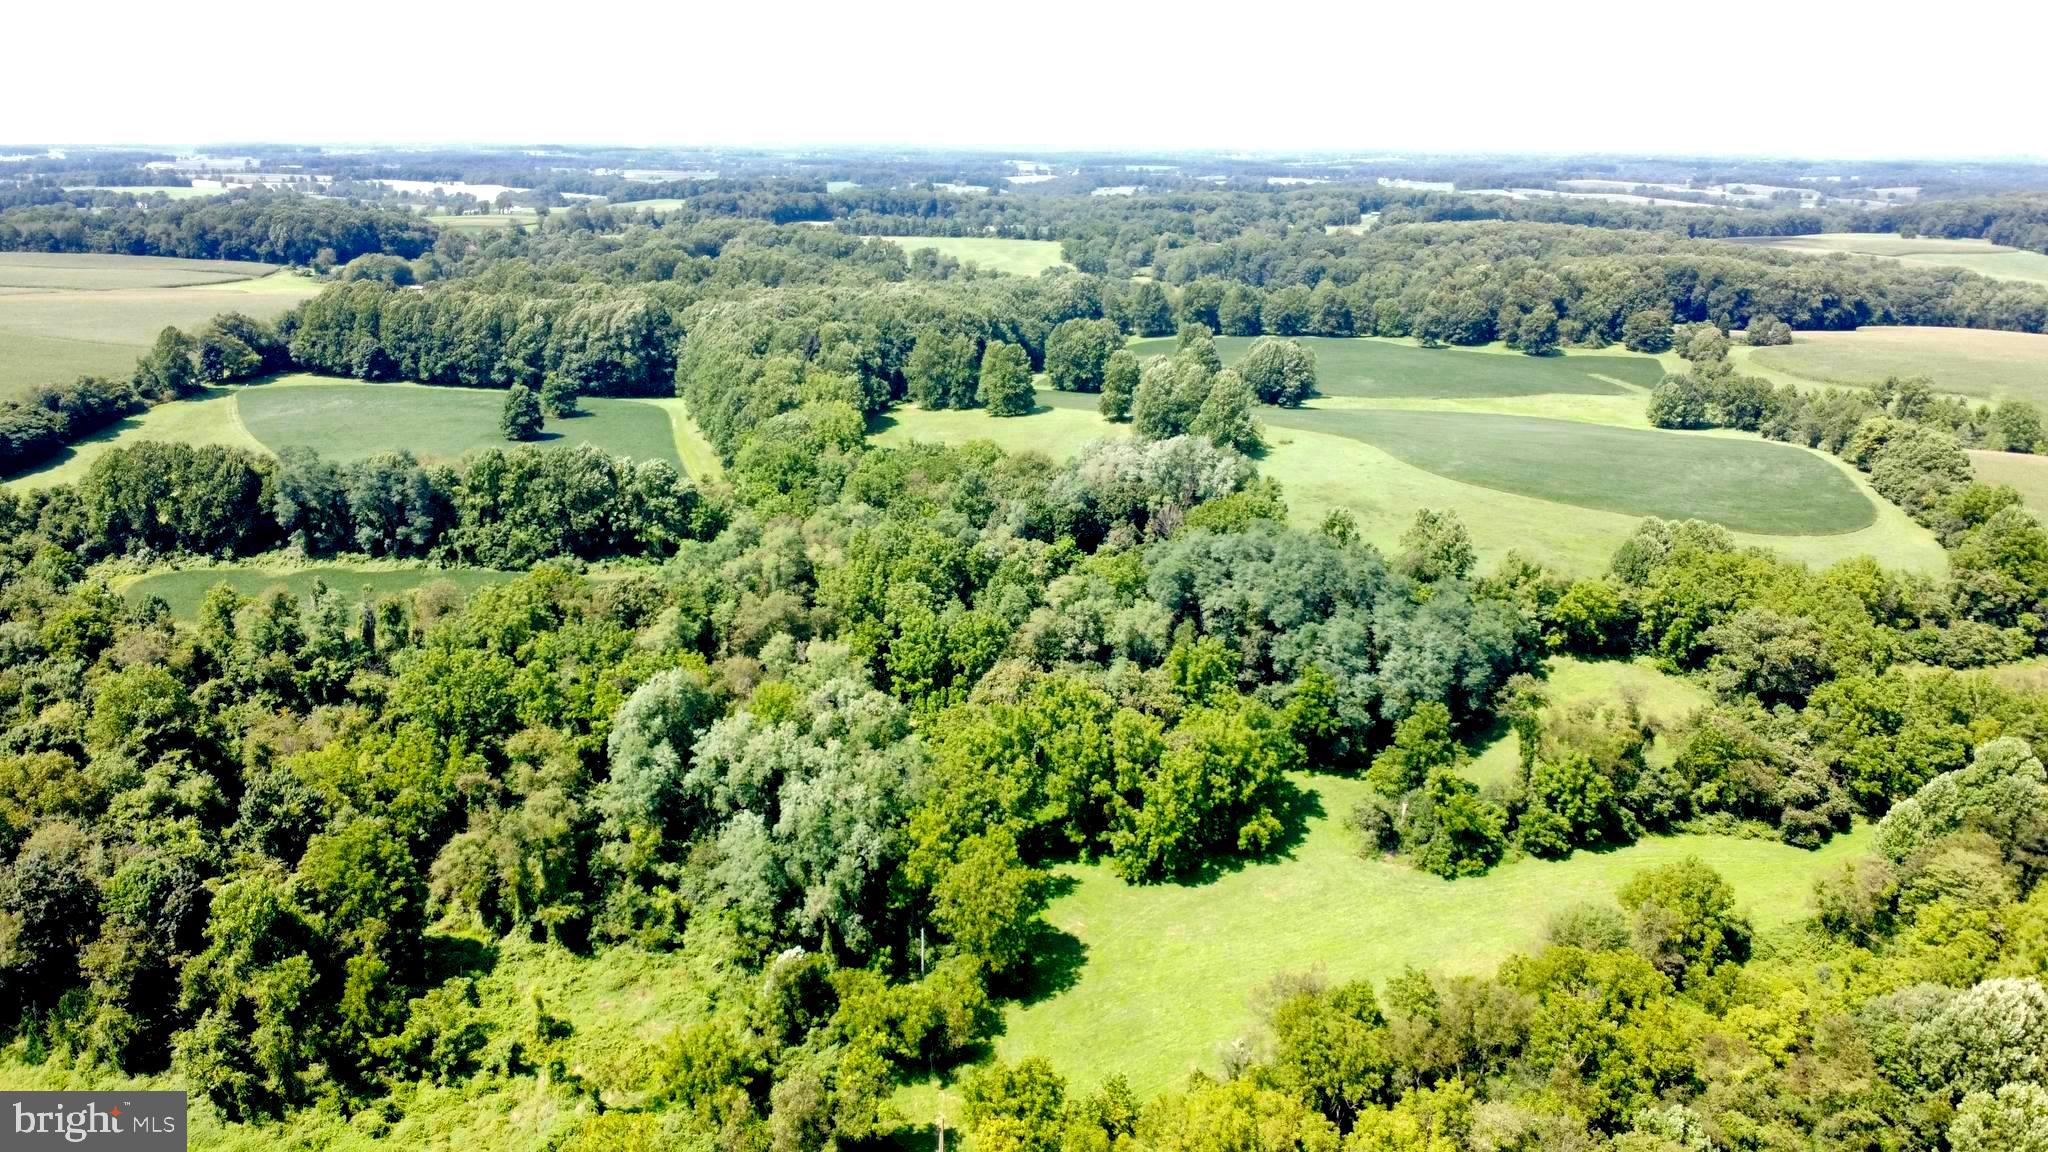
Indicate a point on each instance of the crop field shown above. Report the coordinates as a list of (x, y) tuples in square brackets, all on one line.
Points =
[(1019, 257), (84, 270), (1971, 362), (1746, 484), (1980, 256), (67, 315), (1139, 949), (1376, 368), (184, 590), (349, 421)]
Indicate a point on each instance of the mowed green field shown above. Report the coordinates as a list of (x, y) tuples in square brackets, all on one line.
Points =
[(347, 420), (1018, 257), (1980, 256), (69, 315), (184, 590), (1746, 484), (1166, 973), (1372, 367), (1971, 362)]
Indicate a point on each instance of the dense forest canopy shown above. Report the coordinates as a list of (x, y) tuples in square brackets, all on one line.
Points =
[(820, 735)]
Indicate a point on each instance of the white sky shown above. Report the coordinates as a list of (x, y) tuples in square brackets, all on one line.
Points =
[(1795, 77)]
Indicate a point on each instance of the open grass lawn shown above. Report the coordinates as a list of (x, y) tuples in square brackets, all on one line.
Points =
[(107, 319), (1321, 471), (1746, 484), (1162, 975), (1967, 361), (1376, 368), (85, 270), (1020, 257), (1980, 256), (348, 420), (184, 590), (170, 192)]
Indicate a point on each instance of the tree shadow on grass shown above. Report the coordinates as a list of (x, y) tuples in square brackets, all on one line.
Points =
[(1057, 958)]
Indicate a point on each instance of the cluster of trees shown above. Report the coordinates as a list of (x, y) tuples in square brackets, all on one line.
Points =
[(603, 341), (272, 228), (1190, 393), (498, 508)]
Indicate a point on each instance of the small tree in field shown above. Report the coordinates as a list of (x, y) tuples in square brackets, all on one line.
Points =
[(558, 396), (1005, 380), (522, 419), (1766, 330)]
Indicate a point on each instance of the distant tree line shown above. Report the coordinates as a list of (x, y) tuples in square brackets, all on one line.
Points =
[(272, 228)]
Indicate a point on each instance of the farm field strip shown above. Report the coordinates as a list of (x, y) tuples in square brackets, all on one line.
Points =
[(1017, 257), (1976, 363)]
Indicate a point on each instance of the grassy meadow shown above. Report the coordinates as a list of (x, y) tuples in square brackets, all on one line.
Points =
[(1373, 367), (1162, 977), (1980, 256), (186, 588), (348, 420), (67, 315), (1977, 363), (1018, 257)]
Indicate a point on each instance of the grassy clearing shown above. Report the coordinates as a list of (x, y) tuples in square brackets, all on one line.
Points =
[(170, 192), (209, 418), (1748, 485), (1663, 698), (1018, 257), (1967, 361), (95, 271), (183, 590), (1165, 973), (491, 221), (1374, 367), (1980, 256), (347, 420), (2028, 474)]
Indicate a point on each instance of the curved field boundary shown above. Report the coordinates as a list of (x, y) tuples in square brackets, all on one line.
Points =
[(1747, 485)]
